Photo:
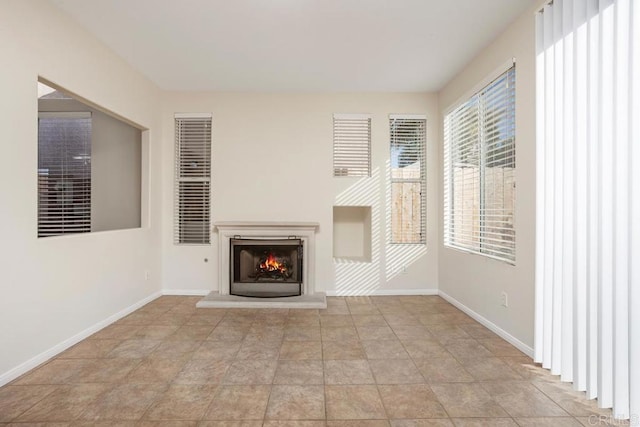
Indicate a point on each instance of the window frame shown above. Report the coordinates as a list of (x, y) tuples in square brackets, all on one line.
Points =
[(180, 178), (448, 195), (422, 180)]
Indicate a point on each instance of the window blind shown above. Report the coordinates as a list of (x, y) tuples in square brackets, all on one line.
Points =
[(408, 178), (64, 173), (193, 179), (351, 145), (479, 193)]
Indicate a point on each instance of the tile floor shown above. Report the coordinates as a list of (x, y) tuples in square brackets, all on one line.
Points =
[(364, 361)]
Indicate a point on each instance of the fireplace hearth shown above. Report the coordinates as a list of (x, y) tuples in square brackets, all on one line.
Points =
[(266, 268)]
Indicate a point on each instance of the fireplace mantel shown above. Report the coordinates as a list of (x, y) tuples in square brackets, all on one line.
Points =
[(306, 231)]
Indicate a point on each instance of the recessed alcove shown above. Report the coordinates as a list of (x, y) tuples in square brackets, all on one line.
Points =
[(352, 233)]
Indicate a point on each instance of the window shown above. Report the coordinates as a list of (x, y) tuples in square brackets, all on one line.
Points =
[(193, 178), (89, 167), (351, 145), (64, 173), (479, 158), (408, 178)]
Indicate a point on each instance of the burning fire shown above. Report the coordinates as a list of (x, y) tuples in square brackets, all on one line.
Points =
[(271, 263)]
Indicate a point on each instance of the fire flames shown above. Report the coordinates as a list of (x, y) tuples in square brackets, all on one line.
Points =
[(271, 263)]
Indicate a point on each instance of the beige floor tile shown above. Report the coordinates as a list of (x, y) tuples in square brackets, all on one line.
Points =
[(339, 333), (106, 370), (375, 333), (425, 349), (217, 350), (262, 333), (124, 402), (347, 372), (402, 319), (224, 332), (259, 350), (154, 332), (57, 371), (238, 423), (431, 422), (301, 350), (173, 423), (446, 332), (467, 400), (522, 399), (550, 422), (156, 371), (499, 347), (358, 423), (353, 402), (294, 423), (528, 370), (387, 349), (251, 372), (442, 370), (90, 349), (369, 320), (299, 372), (411, 401), (336, 350), (116, 331), (175, 349), (302, 333), (363, 309), (134, 349), (489, 369), (182, 402), (191, 333), (203, 371), (477, 331), (335, 320), (296, 402), (574, 402), (15, 400), (484, 422), (412, 333), (395, 371), (246, 402), (603, 420), (466, 348)]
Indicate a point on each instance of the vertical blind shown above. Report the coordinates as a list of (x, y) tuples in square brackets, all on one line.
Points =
[(64, 173), (588, 198), (351, 145), (480, 161), (193, 179), (408, 178)]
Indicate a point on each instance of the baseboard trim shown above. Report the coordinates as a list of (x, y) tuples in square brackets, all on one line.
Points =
[(187, 292), (25, 367), (489, 325), (383, 292)]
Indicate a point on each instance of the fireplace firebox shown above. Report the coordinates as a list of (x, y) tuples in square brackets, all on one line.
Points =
[(265, 268)]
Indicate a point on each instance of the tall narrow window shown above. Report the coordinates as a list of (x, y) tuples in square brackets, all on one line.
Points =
[(351, 145), (408, 178), (64, 173), (479, 158), (193, 178)]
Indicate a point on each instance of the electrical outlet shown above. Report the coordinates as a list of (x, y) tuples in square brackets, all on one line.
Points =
[(504, 299), (404, 269), (146, 274)]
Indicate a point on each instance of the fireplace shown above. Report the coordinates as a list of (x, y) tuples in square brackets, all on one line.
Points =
[(265, 267)]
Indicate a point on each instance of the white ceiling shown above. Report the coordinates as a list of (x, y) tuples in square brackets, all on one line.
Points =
[(296, 45)]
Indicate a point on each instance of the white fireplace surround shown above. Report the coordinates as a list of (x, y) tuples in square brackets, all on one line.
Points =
[(305, 231)]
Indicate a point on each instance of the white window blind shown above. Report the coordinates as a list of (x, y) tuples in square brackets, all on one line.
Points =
[(64, 173), (351, 145), (408, 178), (193, 179), (479, 157)]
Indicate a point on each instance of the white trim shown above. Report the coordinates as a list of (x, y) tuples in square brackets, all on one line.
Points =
[(480, 85), (408, 116), (38, 360), (186, 292), (348, 116), (384, 292), (193, 115), (489, 325)]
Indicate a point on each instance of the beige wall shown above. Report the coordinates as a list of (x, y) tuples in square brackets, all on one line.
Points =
[(474, 280), (55, 288), (116, 156), (272, 161)]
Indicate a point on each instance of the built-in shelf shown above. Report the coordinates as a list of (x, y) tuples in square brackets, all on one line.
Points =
[(352, 233)]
